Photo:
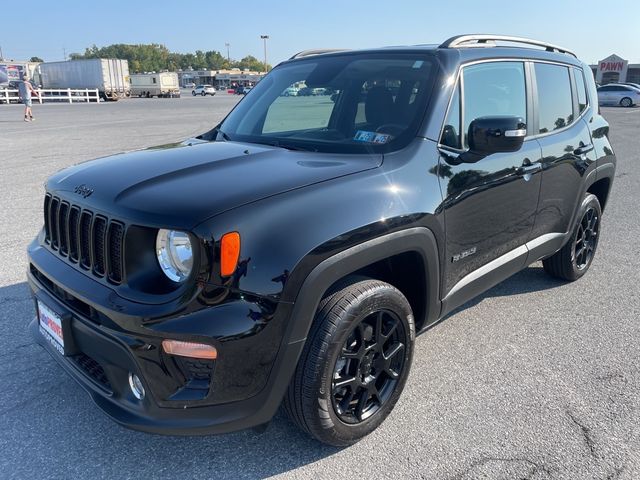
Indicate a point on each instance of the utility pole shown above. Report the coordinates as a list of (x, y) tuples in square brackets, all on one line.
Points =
[(228, 56), (264, 39), (1, 56), (64, 52)]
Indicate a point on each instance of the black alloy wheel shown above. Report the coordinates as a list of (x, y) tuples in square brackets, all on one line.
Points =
[(355, 362), (586, 238), (574, 259), (368, 367)]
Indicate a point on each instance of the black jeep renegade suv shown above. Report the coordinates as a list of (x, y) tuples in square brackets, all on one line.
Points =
[(290, 255)]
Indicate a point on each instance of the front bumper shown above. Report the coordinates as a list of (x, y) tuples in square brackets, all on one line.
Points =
[(104, 355)]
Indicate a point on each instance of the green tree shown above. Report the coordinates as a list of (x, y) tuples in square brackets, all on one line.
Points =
[(156, 57), (36, 59)]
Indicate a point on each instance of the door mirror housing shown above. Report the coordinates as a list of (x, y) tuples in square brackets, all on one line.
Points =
[(489, 135)]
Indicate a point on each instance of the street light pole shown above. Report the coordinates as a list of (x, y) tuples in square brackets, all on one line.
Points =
[(228, 57), (264, 39)]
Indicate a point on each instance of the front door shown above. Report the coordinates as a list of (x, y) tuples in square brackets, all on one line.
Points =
[(489, 206)]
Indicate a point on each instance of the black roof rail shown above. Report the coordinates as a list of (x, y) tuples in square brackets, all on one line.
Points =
[(482, 40), (308, 53)]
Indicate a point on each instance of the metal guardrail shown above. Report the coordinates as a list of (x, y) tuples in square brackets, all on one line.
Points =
[(68, 95)]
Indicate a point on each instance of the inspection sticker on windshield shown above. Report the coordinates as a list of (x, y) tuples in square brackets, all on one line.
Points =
[(371, 137)]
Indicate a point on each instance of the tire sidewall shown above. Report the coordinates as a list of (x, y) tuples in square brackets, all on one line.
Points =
[(383, 298), (626, 102)]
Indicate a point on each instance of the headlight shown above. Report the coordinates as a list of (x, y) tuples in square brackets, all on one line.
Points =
[(173, 249)]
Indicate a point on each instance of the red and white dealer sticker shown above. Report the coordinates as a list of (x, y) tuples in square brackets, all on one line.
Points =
[(51, 326)]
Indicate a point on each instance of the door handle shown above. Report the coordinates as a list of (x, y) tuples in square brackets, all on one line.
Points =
[(529, 168), (583, 149)]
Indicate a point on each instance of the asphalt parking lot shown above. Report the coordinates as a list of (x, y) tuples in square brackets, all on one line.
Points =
[(535, 379)]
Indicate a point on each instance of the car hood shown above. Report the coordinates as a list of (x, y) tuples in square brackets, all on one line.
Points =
[(181, 185)]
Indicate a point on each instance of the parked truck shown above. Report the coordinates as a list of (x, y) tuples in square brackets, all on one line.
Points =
[(164, 84), (109, 76)]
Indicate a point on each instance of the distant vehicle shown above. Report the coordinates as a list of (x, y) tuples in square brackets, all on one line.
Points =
[(618, 94), (243, 90), (634, 85), (12, 95), (290, 92), (203, 90), (109, 76), (305, 92), (190, 85), (149, 85)]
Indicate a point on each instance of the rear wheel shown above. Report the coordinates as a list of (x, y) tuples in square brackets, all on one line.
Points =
[(574, 259), (626, 102), (354, 364)]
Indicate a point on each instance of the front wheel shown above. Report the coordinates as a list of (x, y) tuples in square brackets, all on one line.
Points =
[(354, 364), (574, 259), (626, 102)]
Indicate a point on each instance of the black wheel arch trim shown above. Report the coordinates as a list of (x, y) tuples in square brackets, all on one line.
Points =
[(340, 265)]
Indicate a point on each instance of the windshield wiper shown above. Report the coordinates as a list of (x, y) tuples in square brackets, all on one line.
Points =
[(293, 148)]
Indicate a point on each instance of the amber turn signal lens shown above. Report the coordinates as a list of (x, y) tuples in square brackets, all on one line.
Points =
[(190, 349), (229, 253)]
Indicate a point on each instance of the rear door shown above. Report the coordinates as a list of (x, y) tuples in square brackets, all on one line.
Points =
[(490, 206), (567, 150)]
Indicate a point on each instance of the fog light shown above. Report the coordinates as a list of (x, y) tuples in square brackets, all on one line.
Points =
[(136, 386)]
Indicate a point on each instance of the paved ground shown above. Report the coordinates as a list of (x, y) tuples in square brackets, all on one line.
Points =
[(536, 379)]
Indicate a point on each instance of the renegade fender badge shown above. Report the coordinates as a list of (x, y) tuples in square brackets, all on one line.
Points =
[(461, 255)]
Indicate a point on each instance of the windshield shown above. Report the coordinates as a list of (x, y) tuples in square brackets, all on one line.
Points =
[(350, 103)]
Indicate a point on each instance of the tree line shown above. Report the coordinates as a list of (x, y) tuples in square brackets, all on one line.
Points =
[(156, 57)]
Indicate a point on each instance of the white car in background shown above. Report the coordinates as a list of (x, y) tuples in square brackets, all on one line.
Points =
[(203, 90), (618, 94)]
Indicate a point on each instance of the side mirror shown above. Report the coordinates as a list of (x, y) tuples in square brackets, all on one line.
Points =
[(489, 135)]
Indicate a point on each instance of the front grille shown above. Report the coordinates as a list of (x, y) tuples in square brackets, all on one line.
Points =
[(93, 241), (93, 369)]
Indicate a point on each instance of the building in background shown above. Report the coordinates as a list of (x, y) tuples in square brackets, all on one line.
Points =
[(614, 69), (220, 78)]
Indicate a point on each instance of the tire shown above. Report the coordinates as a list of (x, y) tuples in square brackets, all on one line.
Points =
[(193, 92), (626, 102), (204, 94), (362, 337), (574, 259)]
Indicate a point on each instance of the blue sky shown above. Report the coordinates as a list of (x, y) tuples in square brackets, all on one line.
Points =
[(587, 27)]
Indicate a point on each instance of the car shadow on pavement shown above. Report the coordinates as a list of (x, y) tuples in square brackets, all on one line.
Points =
[(529, 280), (50, 427)]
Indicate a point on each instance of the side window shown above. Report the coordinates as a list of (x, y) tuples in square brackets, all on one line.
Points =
[(451, 130), (554, 97), (496, 88), (580, 89)]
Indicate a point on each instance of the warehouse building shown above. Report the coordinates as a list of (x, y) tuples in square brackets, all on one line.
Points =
[(615, 69)]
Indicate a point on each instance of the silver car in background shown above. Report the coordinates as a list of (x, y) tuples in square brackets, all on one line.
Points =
[(618, 94)]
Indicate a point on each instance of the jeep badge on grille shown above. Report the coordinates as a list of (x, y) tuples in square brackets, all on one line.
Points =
[(83, 190)]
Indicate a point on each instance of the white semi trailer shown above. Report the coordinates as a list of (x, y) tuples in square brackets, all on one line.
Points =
[(163, 84), (109, 76)]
